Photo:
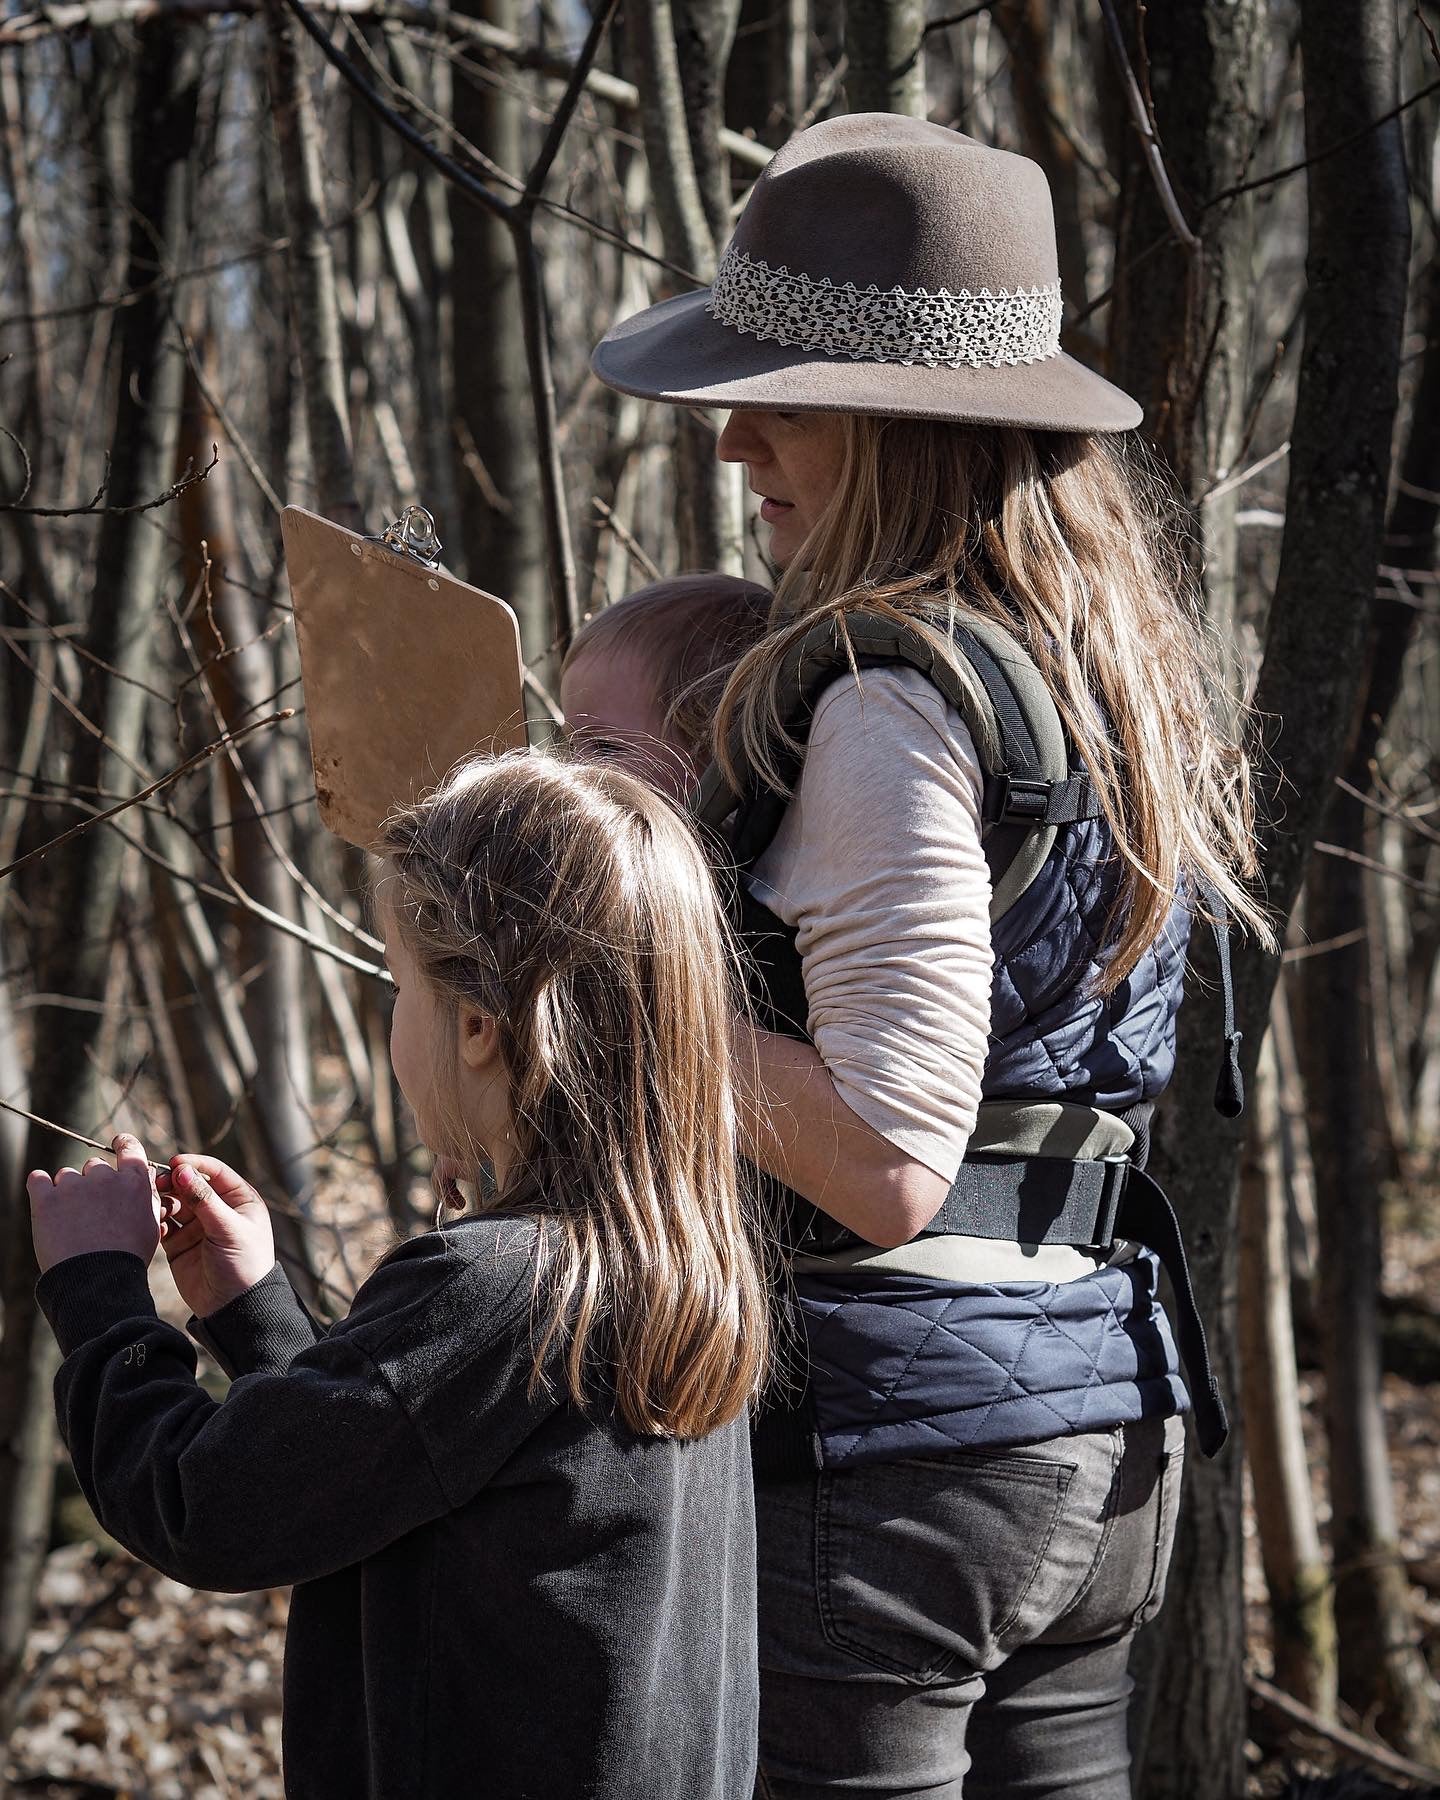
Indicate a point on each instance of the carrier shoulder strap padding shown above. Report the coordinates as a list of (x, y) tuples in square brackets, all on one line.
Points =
[(1030, 788)]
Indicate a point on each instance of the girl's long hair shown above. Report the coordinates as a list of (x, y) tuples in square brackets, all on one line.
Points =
[(1064, 540), (573, 905)]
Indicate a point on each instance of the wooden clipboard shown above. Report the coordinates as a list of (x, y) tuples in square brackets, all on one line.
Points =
[(405, 669)]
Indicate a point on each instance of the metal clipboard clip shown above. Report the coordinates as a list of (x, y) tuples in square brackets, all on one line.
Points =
[(414, 535)]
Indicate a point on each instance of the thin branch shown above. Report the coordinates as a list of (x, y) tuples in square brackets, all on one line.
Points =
[(1145, 125), (1430, 835), (959, 18), (174, 279), (1260, 181), (1241, 476), (453, 171), (227, 424), (145, 793), (565, 111), (242, 774), (610, 521), (291, 1212), (1368, 862), (22, 28), (24, 453), (1303, 952), (191, 478), (1378, 1756), (538, 688), (68, 635)]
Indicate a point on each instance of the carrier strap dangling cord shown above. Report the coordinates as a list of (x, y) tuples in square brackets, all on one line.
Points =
[(1230, 1086)]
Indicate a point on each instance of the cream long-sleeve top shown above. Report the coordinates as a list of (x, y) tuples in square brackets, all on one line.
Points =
[(878, 866)]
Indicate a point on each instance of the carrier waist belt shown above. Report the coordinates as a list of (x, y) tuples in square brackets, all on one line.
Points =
[(1051, 1200)]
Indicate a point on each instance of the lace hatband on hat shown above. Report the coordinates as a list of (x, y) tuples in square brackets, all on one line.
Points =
[(984, 329)]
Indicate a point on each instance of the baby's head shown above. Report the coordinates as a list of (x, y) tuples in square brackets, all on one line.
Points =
[(641, 680), (563, 1013)]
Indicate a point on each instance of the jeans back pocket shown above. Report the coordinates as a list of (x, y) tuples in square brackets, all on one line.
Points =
[(923, 1565)]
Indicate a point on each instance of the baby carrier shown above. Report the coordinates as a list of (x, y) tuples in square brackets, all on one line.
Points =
[(1055, 1173)]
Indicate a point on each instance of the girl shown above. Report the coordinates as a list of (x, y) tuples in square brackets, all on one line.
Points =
[(964, 1522), (512, 1486)]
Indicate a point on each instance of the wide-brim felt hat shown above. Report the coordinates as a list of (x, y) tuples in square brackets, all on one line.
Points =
[(882, 265)]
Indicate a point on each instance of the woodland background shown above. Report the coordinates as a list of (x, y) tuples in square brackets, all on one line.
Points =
[(355, 257)]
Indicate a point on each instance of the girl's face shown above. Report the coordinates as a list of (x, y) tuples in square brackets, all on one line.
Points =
[(612, 716), (793, 461), (478, 1083), (412, 1033)]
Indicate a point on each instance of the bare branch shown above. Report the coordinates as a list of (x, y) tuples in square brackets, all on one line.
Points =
[(191, 478), (145, 793), (1145, 125), (94, 15), (1354, 137), (1365, 1750)]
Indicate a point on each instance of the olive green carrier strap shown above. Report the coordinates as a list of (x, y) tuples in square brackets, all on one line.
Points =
[(1029, 788)]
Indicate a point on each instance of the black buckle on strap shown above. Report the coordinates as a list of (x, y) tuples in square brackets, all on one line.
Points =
[(1008, 797), (1014, 799)]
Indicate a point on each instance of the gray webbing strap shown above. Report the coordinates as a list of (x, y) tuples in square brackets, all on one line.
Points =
[(1033, 1200)]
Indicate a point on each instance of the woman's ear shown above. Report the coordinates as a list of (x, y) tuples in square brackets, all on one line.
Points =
[(479, 1039)]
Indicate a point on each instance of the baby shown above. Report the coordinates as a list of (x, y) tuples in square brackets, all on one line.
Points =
[(640, 683)]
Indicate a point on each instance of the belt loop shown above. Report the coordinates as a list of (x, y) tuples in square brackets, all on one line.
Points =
[(1117, 1173)]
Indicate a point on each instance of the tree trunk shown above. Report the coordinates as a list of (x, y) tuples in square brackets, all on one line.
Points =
[(74, 892), (241, 672), (1301, 1610), (710, 519), (885, 49), (1383, 1673), (1180, 322), (1042, 100), (1340, 449), (499, 469), (311, 267)]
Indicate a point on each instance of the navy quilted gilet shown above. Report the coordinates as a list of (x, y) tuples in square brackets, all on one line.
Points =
[(905, 1365)]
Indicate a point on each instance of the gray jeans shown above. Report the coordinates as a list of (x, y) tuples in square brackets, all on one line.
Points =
[(961, 1624)]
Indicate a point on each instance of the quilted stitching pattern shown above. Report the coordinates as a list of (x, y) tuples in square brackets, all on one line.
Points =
[(1051, 1037), (903, 1365)]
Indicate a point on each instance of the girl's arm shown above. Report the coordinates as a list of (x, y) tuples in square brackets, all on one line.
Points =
[(370, 1433)]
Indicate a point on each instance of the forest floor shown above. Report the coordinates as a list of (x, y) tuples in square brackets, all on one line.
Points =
[(143, 1688)]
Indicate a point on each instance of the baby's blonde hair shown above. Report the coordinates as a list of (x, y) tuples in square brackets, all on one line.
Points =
[(690, 631), (572, 904)]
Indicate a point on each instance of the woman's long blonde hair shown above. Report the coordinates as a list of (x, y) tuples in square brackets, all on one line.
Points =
[(1064, 540), (572, 904)]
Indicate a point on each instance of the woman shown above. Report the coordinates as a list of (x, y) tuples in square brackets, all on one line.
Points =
[(972, 1511)]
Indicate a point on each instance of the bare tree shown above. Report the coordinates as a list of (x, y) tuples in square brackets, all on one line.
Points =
[(75, 949), (1339, 464)]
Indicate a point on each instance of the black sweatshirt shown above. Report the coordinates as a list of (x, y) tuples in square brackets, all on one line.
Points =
[(496, 1596)]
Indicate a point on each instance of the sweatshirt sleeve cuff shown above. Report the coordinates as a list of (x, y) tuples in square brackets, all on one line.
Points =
[(266, 1327), (85, 1295)]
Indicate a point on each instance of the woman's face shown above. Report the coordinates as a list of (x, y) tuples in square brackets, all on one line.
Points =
[(793, 461)]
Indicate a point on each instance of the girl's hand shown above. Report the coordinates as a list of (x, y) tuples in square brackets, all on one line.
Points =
[(96, 1208), (217, 1235)]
